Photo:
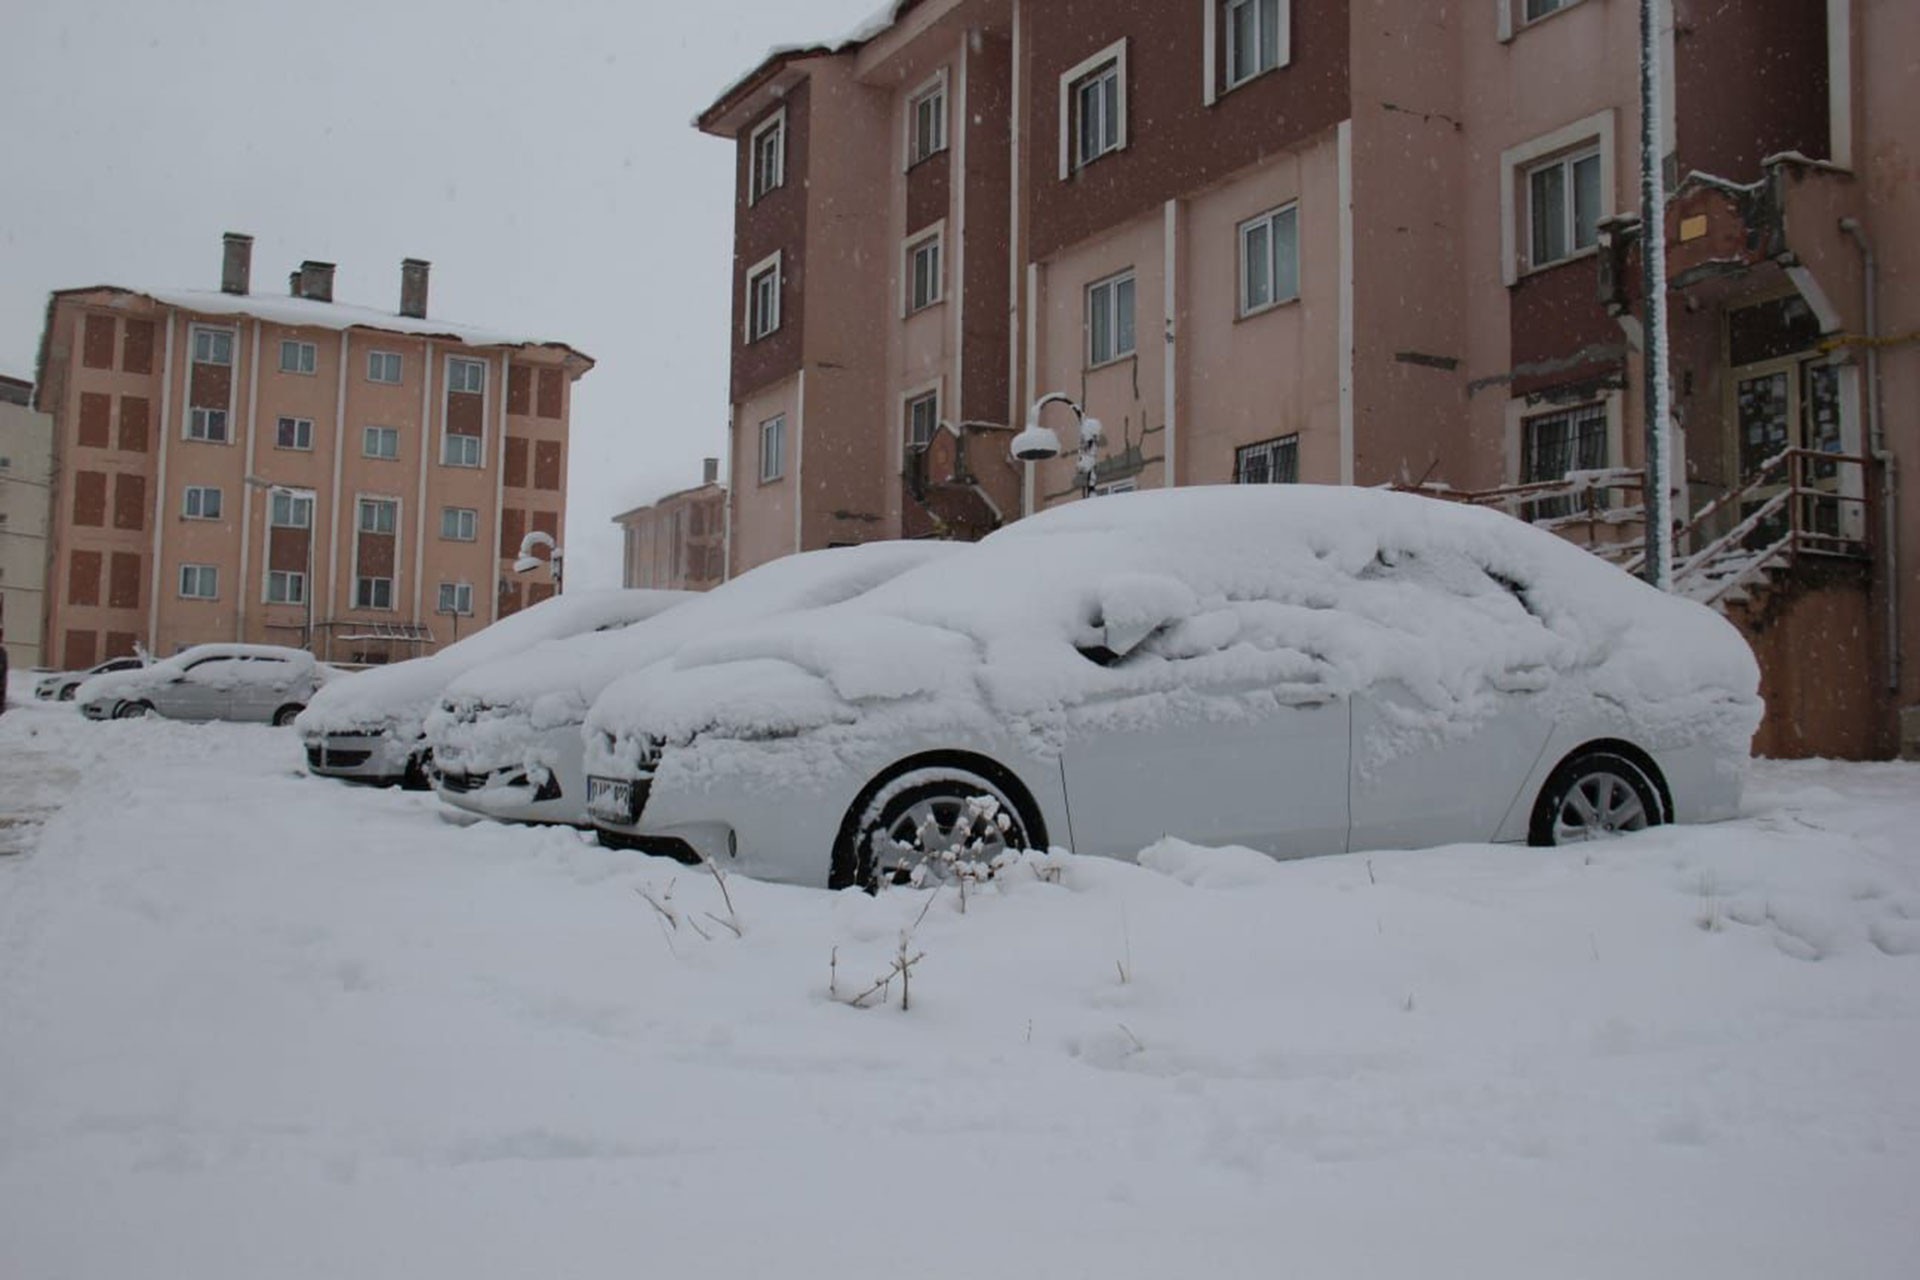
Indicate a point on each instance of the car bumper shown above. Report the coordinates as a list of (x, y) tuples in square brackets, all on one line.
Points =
[(361, 757), (508, 795), (97, 710)]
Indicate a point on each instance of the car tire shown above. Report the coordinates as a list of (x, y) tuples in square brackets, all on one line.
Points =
[(1595, 794), (885, 838), (416, 778), (134, 710), (284, 716), (67, 691)]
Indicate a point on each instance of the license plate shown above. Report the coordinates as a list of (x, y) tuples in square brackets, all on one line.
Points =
[(610, 799)]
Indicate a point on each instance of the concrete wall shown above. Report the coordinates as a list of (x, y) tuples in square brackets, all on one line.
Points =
[(26, 474)]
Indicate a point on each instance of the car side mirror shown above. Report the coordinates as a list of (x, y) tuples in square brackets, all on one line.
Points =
[(180, 679)]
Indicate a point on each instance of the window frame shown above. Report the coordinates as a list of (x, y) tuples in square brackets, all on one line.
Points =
[(368, 585), (216, 334), (1588, 132), (770, 267), (469, 517), (296, 502), (458, 369), (201, 573), (306, 360), (459, 589), (928, 240), (377, 364), (1566, 163), (282, 420), (1110, 285), (1283, 40), (778, 454), (1268, 221), (289, 578), (199, 425), (366, 442), (363, 505), (200, 491), (468, 445), (932, 92), (924, 396), (774, 126), (1269, 450), (1071, 81)]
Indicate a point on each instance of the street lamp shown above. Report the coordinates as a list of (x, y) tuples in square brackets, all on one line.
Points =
[(528, 561), (1037, 444), (293, 495)]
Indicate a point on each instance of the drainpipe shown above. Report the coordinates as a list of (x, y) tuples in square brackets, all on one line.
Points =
[(1889, 491)]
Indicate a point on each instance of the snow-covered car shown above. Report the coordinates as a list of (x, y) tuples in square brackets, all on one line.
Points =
[(60, 686), (1296, 669), (506, 737), (263, 682), (371, 726)]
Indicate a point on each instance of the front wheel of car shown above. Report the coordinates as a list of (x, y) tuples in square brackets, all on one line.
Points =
[(936, 822), (133, 710), (1595, 794), (285, 715), (67, 691)]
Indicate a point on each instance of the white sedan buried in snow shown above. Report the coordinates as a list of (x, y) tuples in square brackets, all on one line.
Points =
[(506, 737), (1298, 669), (263, 682), (60, 686), (370, 726)]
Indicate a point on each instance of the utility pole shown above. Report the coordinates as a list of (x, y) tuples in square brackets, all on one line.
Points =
[(1653, 276)]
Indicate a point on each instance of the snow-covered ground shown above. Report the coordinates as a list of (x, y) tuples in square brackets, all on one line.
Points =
[(254, 1024)]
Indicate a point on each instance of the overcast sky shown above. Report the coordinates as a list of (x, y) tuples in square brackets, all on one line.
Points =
[(540, 156)]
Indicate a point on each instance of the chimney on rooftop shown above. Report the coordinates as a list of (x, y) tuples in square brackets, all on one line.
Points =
[(314, 281), (710, 471), (413, 287), (236, 263)]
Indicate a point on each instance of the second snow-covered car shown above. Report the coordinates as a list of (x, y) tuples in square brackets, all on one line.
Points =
[(506, 736), (60, 686), (263, 682), (371, 726), (1297, 669)]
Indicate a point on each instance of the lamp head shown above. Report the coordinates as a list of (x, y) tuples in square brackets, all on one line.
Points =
[(1036, 443)]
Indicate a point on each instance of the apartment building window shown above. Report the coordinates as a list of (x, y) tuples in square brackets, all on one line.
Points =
[(285, 587), (469, 376), (297, 357), (763, 298), (459, 524), (209, 425), (383, 366), (291, 511), (460, 451), (923, 419), (199, 582), (1256, 38), (767, 151), (378, 515), (1275, 461), (923, 271), (1538, 9), (1563, 207), (380, 442), (1118, 486), (1555, 444), (1269, 260), (293, 433), (773, 448), (373, 593), (202, 503), (456, 597), (927, 120), (212, 346), (1110, 319), (1093, 108)]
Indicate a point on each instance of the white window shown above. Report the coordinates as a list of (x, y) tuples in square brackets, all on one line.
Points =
[(296, 357), (459, 524), (207, 424), (291, 511), (1110, 319), (377, 515), (202, 503), (1118, 486), (286, 588), (767, 152), (923, 272), (1563, 207), (923, 419), (1256, 38), (199, 582), (1538, 9), (1269, 260), (763, 298), (380, 442), (293, 433), (1093, 108), (927, 120), (383, 366), (467, 375), (373, 593), (460, 451), (456, 597), (212, 346), (1275, 461), (1554, 444), (773, 448)]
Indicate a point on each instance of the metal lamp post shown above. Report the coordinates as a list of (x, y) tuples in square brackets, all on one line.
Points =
[(1037, 444), (306, 580), (528, 561)]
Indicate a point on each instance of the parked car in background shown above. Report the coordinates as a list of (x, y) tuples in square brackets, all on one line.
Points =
[(1297, 669), (506, 737), (62, 685), (260, 682), (370, 726)]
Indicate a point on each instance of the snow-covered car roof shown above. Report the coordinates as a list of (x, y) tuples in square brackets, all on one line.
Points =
[(1297, 592), (405, 691), (557, 680), (118, 684)]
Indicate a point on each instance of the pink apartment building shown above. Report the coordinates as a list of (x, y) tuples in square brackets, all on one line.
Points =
[(679, 542), (287, 469), (1362, 242)]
